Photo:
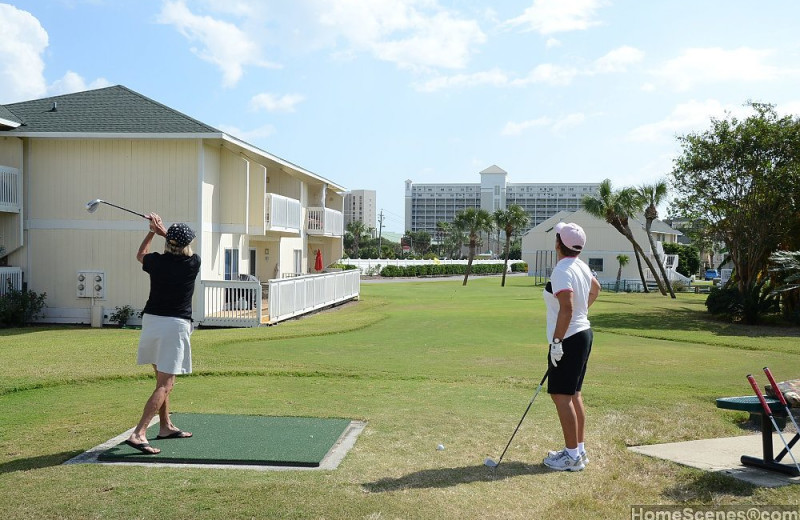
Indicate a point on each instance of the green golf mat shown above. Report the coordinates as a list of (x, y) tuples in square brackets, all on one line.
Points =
[(239, 439)]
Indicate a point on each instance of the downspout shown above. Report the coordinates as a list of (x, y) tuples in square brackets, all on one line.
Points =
[(201, 170)]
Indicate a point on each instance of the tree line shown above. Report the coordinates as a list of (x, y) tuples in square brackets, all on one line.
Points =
[(737, 183)]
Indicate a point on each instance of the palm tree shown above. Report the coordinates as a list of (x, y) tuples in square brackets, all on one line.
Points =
[(652, 195), (512, 219), (358, 230), (615, 207), (472, 222), (623, 261)]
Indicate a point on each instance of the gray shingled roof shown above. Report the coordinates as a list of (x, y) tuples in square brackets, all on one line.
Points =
[(114, 109), (7, 115)]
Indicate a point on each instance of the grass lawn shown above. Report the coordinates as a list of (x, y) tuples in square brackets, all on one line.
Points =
[(422, 363)]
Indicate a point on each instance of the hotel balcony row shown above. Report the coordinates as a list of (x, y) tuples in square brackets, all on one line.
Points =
[(284, 214)]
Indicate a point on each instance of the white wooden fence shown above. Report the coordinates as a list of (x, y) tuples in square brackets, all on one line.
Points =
[(375, 264), (289, 297), (230, 303), (12, 275)]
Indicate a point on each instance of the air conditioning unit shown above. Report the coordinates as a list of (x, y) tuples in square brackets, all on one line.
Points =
[(91, 284)]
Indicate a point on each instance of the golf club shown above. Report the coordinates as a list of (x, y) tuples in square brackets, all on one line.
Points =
[(92, 206), (768, 411), (492, 464), (782, 399)]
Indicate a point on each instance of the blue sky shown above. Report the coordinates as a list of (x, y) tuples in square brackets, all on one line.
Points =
[(369, 93)]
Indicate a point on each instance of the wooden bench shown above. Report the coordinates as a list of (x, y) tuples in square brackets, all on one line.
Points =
[(753, 406)]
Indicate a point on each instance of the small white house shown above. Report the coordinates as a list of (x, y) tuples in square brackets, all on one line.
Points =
[(603, 245)]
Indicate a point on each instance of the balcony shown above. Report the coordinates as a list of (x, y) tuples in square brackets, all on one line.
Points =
[(282, 214), (9, 190), (325, 222)]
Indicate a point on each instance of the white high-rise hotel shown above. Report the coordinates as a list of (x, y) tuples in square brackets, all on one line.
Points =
[(427, 204), (359, 206)]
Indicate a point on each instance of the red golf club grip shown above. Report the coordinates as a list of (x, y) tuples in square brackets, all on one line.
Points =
[(764, 404), (775, 386)]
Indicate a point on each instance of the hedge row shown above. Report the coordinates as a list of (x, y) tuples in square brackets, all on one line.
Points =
[(439, 270)]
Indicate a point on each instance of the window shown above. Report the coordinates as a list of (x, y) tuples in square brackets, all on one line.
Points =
[(231, 264), (298, 261), (596, 264)]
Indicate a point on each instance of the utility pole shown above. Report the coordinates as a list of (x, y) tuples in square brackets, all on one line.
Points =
[(380, 228)]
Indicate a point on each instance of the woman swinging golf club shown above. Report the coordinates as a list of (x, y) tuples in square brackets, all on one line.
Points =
[(568, 295), (166, 324)]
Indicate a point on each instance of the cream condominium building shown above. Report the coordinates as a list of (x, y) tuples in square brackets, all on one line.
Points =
[(359, 206), (428, 204)]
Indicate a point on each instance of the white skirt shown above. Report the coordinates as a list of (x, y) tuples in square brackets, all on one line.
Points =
[(165, 343)]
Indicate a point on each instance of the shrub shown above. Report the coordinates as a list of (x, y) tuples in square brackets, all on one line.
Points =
[(519, 267), (122, 314), (20, 307)]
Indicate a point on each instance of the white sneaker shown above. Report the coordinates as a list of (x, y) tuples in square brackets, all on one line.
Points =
[(561, 461), (554, 454)]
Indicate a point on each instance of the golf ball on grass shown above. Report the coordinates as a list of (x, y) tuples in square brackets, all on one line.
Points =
[(440, 447)]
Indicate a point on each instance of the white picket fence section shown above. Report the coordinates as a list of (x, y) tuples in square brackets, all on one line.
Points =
[(12, 275), (230, 303), (290, 297)]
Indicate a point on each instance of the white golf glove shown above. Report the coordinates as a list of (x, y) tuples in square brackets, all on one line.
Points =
[(556, 352)]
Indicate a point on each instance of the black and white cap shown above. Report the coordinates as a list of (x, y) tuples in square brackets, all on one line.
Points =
[(180, 235)]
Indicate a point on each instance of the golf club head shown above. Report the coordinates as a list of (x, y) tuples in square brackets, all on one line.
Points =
[(92, 205), (489, 463)]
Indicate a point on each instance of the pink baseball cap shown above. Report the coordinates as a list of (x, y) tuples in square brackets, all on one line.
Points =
[(571, 234)]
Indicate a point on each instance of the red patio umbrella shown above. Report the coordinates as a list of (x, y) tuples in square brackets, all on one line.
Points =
[(318, 261)]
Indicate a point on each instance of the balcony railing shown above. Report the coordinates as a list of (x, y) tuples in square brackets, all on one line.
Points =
[(282, 213), (9, 189), (324, 221)]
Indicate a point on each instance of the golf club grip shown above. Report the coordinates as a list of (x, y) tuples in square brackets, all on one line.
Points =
[(757, 390), (544, 377), (775, 386)]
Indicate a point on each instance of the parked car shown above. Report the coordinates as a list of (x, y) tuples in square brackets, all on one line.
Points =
[(711, 274)]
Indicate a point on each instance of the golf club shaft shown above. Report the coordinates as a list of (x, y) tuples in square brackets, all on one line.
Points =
[(768, 411), (538, 389), (781, 398), (128, 210)]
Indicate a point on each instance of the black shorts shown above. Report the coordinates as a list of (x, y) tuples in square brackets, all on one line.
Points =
[(567, 377)]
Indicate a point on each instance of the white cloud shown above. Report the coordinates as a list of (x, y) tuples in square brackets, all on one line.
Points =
[(550, 74), (567, 122), (712, 65), (617, 60), (557, 126), (274, 103), (516, 128), (21, 47), (553, 16), (552, 42), (253, 136), (686, 117), (221, 43), (414, 34), (74, 82), (494, 77)]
